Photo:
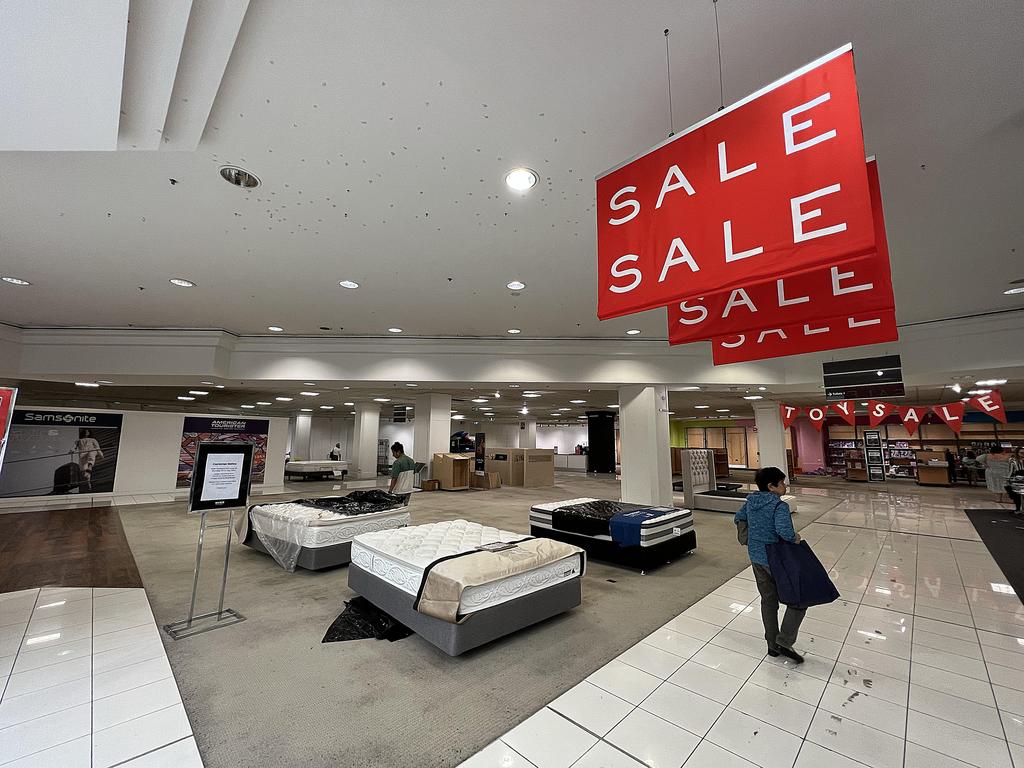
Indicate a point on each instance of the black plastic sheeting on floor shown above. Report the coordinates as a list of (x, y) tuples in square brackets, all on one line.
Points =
[(362, 620), (1003, 535)]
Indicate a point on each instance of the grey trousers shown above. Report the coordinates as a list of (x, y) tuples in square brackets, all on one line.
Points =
[(770, 612)]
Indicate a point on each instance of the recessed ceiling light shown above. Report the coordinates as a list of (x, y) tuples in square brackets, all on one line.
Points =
[(382, 399), (103, 381), (412, 385), (247, 406), (326, 407), (479, 399), (181, 282), (1014, 291), (513, 386), (263, 402), (348, 404), (612, 406), (197, 392), (14, 280), (514, 331), (520, 179), (633, 332), (762, 389), (864, 404), (671, 413), (753, 397), (350, 284), (879, 373), (515, 285), (530, 394), (978, 391), (565, 409), (524, 410), (239, 177), (306, 410), (457, 417), (283, 399), (309, 383), (394, 330), (965, 399), (722, 410), (700, 407), (346, 387), (86, 384), (688, 389), (577, 402), (275, 328), (310, 394), (554, 414), (991, 382), (219, 386), (187, 399), (207, 383)]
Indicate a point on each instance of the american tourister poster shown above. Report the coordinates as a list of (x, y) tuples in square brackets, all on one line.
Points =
[(198, 430)]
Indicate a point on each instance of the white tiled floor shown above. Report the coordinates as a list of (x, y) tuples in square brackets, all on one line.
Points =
[(85, 683), (919, 665)]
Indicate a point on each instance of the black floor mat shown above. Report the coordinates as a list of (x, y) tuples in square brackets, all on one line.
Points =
[(1003, 535), (362, 620)]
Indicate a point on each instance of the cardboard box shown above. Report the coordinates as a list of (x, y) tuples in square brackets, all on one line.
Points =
[(486, 480), (430, 485), (503, 462), (452, 470), (538, 467)]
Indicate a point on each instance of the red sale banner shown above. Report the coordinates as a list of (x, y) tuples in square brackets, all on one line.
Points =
[(878, 412), (992, 404), (845, 410), (912, 416), (773, 184), (864, 285), (952, 414), (789, 414), (7, 398), (836, 333), (817, 416)]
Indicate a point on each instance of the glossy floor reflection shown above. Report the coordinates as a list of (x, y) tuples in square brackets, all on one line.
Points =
[(919, 665)]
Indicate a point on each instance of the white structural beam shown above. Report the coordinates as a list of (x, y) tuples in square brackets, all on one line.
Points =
[(431, 429), (643, 433), (364, 441), (771, 437), (61, 66)]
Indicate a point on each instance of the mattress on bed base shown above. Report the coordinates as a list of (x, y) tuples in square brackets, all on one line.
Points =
[(481, 627), (640, 558), (373, 556), (329, 531), (311, 558), (652, 532)]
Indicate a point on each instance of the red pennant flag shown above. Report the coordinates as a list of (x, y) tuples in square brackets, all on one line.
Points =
[(817, 416), (878, 411), (912, 415), (844, 409), (789, 414), (992, 404), (952, 414)]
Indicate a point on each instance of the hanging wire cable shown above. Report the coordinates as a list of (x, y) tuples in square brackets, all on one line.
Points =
[(668, 69), (718, 35)]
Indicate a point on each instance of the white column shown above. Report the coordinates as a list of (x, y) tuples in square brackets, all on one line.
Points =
[(301, 440), (364, 441), (431, 429), (646, 459), (771, 438), (528, 433)]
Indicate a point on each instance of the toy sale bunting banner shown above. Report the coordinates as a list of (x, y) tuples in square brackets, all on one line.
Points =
[(912, 416)]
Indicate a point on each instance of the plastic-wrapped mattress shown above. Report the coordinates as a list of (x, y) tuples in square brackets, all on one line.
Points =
[(595, 514)]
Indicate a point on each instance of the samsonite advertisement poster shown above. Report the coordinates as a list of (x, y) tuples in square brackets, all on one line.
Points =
[(60, 452), (198, 430)]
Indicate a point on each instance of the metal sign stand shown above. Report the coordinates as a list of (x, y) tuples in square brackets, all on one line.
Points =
[(224, 616)]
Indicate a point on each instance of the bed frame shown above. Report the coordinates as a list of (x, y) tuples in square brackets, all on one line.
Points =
[(640, 558), (310, 558), (481, 627)]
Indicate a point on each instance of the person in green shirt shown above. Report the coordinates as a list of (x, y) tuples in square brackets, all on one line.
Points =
[(399, 485)]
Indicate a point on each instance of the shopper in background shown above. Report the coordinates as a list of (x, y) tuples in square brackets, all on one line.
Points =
[(997, 470), (1015, 478), (951, 466), (766, 519), (970, 465), (335, 454), (401, 472)]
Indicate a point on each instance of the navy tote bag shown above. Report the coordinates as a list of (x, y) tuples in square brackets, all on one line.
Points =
[(800, 578)]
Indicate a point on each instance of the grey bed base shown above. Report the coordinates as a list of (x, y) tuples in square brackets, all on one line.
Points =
[(481, 627), (310, 558)]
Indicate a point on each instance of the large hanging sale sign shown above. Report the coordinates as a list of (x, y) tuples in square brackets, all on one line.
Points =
[(772, 185)]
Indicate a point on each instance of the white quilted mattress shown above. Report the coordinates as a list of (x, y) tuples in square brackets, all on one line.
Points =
[(400, 556), (314, 528)]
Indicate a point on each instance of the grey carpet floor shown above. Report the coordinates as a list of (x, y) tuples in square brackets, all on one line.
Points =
[(267, 692)]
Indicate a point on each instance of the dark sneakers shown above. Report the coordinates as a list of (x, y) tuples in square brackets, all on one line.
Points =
[(773, 652), (789, 653)]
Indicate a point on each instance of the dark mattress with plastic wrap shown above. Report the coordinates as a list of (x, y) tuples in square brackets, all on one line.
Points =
[(590, 518), (356, 503)]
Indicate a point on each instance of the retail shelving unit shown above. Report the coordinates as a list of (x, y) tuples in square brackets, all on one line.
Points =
[(856, 466)]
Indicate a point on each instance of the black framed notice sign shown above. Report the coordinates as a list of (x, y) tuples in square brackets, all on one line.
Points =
[(222, 475)]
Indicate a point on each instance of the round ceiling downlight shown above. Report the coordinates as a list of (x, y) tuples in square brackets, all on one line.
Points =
[(514, 331), (515, 285), (350, 284), (275, 328), (181, 282), (14, 280), (521, 179), (633, 332), (394, 330), (239, 177), (1007, 292)]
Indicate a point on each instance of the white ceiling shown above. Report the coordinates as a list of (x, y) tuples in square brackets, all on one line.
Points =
[(382, 132)]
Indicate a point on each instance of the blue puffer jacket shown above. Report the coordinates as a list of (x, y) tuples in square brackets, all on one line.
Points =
[(769, 521)]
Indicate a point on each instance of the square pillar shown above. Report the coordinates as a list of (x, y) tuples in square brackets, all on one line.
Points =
[(301, 439), (528, 433), (771, 437), (364, 441), (431, 429), (646, 458)]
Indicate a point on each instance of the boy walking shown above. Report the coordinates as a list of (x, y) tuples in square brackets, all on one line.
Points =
[(766, 519)]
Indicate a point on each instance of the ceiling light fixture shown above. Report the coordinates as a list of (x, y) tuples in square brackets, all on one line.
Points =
[(525, 410), (701, 407), (186, 399), (207, 383), (348, 404), (14, 280), (565, 409), (991, 382), (306, 410), (753, 397), (688, 389), (515, 285), (247, 406), (181, 282), (514, 331), (382, 399), (310, 394), (199, 392), (394, 330), (513, 386), (479, 399), (309, 383), (530, 394), (103, 381), (412, 385), (633, 332), (263, 402), (86, 384), (239, 177), (614, 405), (577, 402), (864, 404), (350, 284), (879, 373), (275, 328), (283, 399), (1014, 291), (978, 391), (722, 410), (521, 179), (956, 388), (326, 407), (219, 386)]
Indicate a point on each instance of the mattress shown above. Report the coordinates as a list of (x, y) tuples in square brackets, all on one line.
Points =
[(314, 467), (319, 528), (400, 556), (654, 531)]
